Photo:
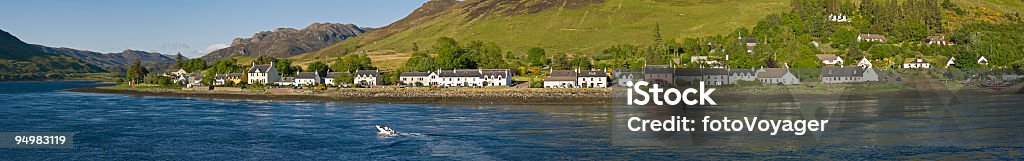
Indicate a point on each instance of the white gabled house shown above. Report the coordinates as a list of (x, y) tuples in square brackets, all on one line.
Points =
[(951, 62), (836, 75), (496, 77), (591, 79), (830, 59), (865, 63), (838, 18), (263, 74), (367, 78), (777, 76), (736, 75), (308, 78), (715, 76), (329, 79), (623, 78), (412, 78), (872, 38), (917, 63), (286, 81), (982, 60), (560, 79)]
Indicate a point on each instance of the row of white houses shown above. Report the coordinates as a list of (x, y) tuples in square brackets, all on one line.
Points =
[(576, 79), (267, 74), (459, 78), (711, 76)]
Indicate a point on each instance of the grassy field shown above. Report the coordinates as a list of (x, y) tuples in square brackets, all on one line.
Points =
[(582, 30)]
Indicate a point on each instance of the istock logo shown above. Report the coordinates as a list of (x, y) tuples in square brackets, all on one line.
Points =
[(670, 96)]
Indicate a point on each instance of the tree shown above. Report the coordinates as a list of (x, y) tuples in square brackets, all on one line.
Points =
[(263, 59), (560, 62), (284, 66), (352, 62), (319, 67), (344, 78), (537, 57), (194, 65), (419, 61), (136, 72), (449, 55), (179, 60)]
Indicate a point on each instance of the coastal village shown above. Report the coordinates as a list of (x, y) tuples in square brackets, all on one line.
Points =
[(713, 72)]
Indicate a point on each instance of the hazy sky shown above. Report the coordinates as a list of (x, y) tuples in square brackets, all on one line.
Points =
[(190, 26)]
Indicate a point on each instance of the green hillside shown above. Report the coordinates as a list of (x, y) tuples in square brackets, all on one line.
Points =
[(20, 61), (565, 29)]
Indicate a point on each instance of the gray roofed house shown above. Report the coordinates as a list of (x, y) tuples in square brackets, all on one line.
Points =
[(715, 76), (776, 76), (367, 78), (560, 79), (592, 73), (306, 75), (833, 75), (830, 59), (459, 73), (414, 74), (741, 75), (261, 68), (872, 37)]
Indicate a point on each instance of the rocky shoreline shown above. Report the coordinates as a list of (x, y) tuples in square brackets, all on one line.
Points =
[(396, 96)]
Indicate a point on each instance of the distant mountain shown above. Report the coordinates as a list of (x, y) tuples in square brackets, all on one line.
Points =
[(122, 58), (21, 61), (286, 42)]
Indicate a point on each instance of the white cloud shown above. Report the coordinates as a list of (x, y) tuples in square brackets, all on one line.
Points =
[(212, 48)]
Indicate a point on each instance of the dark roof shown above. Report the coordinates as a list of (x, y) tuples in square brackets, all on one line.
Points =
[(235, 75), (919, 60), (715, 71), (842, 72), (687, 72), (741, 71), (773, 73), (495, 72), (459, 73), (658, 69), (826, 56), (593, 73), (749, 40), (263, 68), (287, 79), (334, 74), (306, 75), (561, 75), (414, 74), (872, 36), (373, 73)]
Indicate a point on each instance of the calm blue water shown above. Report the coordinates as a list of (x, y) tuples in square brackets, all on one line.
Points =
[(123, 127)]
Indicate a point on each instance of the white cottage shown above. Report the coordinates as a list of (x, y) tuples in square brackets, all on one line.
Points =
[(560, 79), (836, 75), (777, 76), (716, 76), (917, 63), (263, 74), (415, 78), (367, 78), (592, 79), (308, 78), (830, 59), (737, 75)]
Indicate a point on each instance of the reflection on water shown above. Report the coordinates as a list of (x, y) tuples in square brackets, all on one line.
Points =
[(109, 127)]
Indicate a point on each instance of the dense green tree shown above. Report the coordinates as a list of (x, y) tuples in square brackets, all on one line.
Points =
[(352, 62), (318, 67), (537, 57)]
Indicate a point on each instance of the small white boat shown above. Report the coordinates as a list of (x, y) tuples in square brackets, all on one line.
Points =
[(386, 131)]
